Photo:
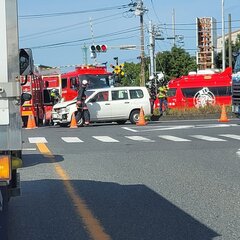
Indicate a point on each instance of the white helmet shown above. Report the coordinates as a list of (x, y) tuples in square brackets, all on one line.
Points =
[(84, 82)]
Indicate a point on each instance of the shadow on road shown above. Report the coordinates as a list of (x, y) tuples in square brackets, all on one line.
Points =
[(127, 212), (35, 159)]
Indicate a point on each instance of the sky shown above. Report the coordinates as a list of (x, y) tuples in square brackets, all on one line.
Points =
[(58, 30)]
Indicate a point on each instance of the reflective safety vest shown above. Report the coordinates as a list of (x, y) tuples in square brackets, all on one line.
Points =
[(162, 91)]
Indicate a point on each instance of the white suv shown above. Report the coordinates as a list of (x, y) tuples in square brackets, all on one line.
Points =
[(117, 104)]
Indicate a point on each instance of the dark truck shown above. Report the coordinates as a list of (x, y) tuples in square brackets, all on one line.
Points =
[(236, 87), (11, 99)]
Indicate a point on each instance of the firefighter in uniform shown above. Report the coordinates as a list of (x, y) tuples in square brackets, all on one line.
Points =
[(55, 96), (162, 96), (81, 105)]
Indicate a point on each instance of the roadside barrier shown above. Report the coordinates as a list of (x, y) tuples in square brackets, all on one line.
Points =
[(141, 121), (223, 117), (31, 124), (73, 123)]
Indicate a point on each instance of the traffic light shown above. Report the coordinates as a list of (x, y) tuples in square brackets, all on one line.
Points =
[(98, 48), (26, 61)]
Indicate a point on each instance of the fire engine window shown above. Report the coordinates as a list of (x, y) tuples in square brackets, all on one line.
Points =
[(74, 83), (46, 96), (95, 81), (136, 93), (190, 92), (171, 92), (64, 82), (220, 91), (216, 91)]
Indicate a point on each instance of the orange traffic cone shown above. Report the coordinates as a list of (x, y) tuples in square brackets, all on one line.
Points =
[(141, 121), (223, 117), (31, 124), (73, 123)]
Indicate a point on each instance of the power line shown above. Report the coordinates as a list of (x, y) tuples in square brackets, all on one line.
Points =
[(43, 15), (67, 28), (86, 39)]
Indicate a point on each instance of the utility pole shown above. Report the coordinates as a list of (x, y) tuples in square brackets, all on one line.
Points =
[(223, 39), (230, 40), (85, 58), (151, 49), (139, 11), (174, 32)]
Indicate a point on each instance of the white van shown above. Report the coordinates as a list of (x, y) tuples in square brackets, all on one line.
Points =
[(117, 104)]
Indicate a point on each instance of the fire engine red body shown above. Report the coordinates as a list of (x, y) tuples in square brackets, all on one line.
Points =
[(33, 84), (97, 77), (69, 83), (199, 90)]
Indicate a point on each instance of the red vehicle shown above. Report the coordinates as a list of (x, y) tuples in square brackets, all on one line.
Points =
[(97, 77), (200, 89), (33, 84), (52, 81), (68, 84)]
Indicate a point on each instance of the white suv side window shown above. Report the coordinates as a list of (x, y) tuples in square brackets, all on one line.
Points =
[(101, 96), (119, 95), (136, 93)]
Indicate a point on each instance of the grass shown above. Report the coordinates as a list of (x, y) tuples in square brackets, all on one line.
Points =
[(194, 112)]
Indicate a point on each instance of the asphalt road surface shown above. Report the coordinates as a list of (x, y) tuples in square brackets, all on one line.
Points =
[(174, 180)]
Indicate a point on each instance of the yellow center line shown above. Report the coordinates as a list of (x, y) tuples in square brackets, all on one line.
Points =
[(94, 227)]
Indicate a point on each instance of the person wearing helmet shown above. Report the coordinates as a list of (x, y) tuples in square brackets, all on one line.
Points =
[(83, 111), (55, 96)]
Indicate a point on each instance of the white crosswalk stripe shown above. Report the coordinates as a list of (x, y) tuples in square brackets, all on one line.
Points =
[(105, 139), (173, 138), (139, 138), (232, 136), (208, 138), (71, 139), (37, 140), (108, 139)]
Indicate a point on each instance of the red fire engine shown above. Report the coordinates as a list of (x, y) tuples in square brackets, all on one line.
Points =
[(200, 89), (69, 83), (97, 77), (33, 84)]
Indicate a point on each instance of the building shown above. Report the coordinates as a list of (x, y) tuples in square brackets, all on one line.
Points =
[(233, 36), (206, 42)]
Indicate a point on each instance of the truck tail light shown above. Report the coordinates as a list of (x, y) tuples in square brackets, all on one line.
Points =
[(5, 167)]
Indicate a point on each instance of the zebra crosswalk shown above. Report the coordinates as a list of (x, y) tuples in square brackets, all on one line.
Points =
[(134, 138)]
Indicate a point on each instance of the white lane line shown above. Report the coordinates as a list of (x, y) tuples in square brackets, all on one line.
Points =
[(238, 153), (129, 129), (105, 139), (37, 140), (207, 138), (233, 136), (139, 138), (29, 149), (71, 139), (173, 138)]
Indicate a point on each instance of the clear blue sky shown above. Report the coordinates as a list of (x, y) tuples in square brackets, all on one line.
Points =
[(56, 30)]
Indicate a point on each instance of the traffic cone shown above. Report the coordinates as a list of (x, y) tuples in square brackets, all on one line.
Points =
[(223, 117), (31, 124), (73, 123), (141, 121)]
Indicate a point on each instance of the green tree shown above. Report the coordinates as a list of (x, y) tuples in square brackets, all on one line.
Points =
[(131, 74), (175, 63)]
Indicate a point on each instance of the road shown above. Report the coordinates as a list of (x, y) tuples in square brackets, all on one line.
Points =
[(175, 180)]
